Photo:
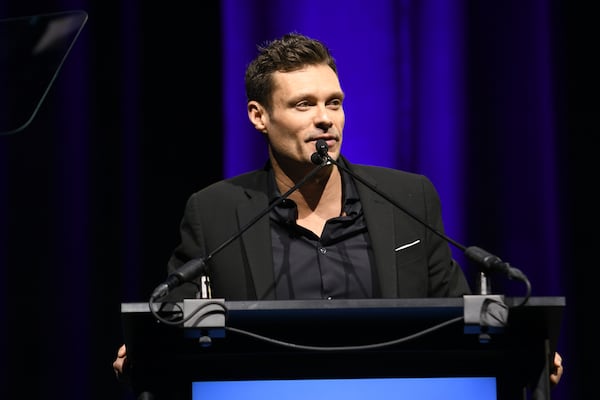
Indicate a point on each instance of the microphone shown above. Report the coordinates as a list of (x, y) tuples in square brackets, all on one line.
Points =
[(487, 262), (198, 266), (320, 156), (316, 158), (187, 272)]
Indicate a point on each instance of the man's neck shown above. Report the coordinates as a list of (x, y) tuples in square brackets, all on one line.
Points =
[(318, 199)]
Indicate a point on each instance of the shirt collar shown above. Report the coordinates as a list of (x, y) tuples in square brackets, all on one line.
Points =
[(350, 193)]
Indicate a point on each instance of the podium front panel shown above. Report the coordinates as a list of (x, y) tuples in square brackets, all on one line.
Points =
[(340, 339)]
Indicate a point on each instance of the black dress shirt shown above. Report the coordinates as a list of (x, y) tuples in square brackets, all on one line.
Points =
[(338, 264)]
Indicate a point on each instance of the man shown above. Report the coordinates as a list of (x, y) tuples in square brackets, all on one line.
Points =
[(294, 99), (332, 237)]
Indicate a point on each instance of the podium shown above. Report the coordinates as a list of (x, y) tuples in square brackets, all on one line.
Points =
[(342, 339)]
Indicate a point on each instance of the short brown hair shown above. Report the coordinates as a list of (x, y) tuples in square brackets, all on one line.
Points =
[(288, 53)]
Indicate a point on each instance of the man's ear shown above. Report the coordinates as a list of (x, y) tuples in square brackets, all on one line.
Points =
[(257, 115)]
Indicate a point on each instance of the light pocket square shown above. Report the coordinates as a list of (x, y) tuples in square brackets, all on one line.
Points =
[(407, 245)]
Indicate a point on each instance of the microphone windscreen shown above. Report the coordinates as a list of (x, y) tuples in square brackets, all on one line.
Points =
[(316, 158), (322, 147)]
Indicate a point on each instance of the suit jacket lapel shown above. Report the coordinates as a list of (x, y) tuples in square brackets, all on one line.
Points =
[(381, 234), (257, 244)]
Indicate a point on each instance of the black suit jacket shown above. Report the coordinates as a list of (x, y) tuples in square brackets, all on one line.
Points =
[(410, 260)]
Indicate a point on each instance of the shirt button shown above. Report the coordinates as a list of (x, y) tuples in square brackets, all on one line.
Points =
[(323, 250)]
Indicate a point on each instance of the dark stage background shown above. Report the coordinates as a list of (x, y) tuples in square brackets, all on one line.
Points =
[(495, 101)]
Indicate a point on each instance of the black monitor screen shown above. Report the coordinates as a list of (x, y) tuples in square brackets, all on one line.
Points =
[(32, 50)]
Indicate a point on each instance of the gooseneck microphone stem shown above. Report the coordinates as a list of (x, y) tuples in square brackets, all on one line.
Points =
[(394, 203), (198, 266), (487, 262)]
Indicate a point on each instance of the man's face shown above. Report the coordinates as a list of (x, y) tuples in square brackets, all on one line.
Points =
[(307, 105)]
